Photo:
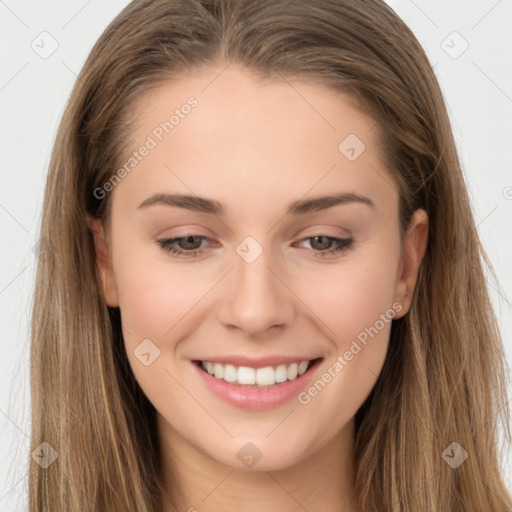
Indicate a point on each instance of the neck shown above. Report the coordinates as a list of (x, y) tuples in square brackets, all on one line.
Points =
[(195, 482)]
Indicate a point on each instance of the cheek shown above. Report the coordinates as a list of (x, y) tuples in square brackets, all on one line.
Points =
[(153, 292), (351, 295), (356, 311), (155, 298)]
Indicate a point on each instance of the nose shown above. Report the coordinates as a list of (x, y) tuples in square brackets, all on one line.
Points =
[(256, 297)]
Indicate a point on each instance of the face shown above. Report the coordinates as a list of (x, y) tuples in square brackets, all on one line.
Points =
[(285, 297)]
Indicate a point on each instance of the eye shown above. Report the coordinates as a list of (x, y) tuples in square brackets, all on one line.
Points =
[(189, 245), (329, 245)]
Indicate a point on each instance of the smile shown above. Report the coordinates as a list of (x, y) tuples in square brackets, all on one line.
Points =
[(257, 377), (250, 384)]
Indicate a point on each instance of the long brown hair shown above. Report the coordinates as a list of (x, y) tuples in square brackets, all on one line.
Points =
[(444, 377)]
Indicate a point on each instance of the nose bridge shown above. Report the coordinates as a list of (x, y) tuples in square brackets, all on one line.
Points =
[(257, 299)]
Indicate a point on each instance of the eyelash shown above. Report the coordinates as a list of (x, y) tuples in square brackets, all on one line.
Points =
[(167, 244)]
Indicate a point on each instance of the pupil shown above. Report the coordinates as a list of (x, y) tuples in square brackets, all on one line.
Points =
[(327, 242), (187, 240)]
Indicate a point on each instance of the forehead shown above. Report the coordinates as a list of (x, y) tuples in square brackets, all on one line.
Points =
[(216, 130)]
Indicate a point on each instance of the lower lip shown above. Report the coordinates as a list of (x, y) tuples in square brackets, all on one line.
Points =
[(257, 398)]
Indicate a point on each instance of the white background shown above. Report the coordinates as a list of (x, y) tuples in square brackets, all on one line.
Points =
[(477, 87)]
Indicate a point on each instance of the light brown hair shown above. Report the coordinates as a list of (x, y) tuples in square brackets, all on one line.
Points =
[(444, 376)]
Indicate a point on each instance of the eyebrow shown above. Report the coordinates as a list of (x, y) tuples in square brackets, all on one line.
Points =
[(210, 206)]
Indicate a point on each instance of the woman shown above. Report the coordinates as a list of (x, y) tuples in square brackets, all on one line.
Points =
[(195, 344)]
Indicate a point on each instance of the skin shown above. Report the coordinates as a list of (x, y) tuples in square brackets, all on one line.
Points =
[(255, 147)]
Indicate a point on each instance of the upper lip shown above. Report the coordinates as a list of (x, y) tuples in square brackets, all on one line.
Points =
[(257, 362)]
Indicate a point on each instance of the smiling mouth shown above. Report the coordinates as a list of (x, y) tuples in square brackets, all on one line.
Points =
[(267, 376)]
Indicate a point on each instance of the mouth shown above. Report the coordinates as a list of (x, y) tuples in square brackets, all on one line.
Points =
[(257, 377)]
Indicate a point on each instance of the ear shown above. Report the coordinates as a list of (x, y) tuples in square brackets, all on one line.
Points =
[(104, 262), (413, 250)]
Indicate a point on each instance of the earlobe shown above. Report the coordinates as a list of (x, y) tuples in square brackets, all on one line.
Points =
[(103, 262), (414, 248)]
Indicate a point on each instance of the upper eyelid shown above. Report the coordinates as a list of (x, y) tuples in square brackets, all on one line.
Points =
[(318, 232)]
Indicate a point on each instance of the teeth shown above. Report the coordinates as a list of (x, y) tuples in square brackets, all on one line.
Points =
[(292, 371), (258, 377), (302, 367), (281, 373), (218, 370), (229, 373), (265, 376), (246, 375)]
